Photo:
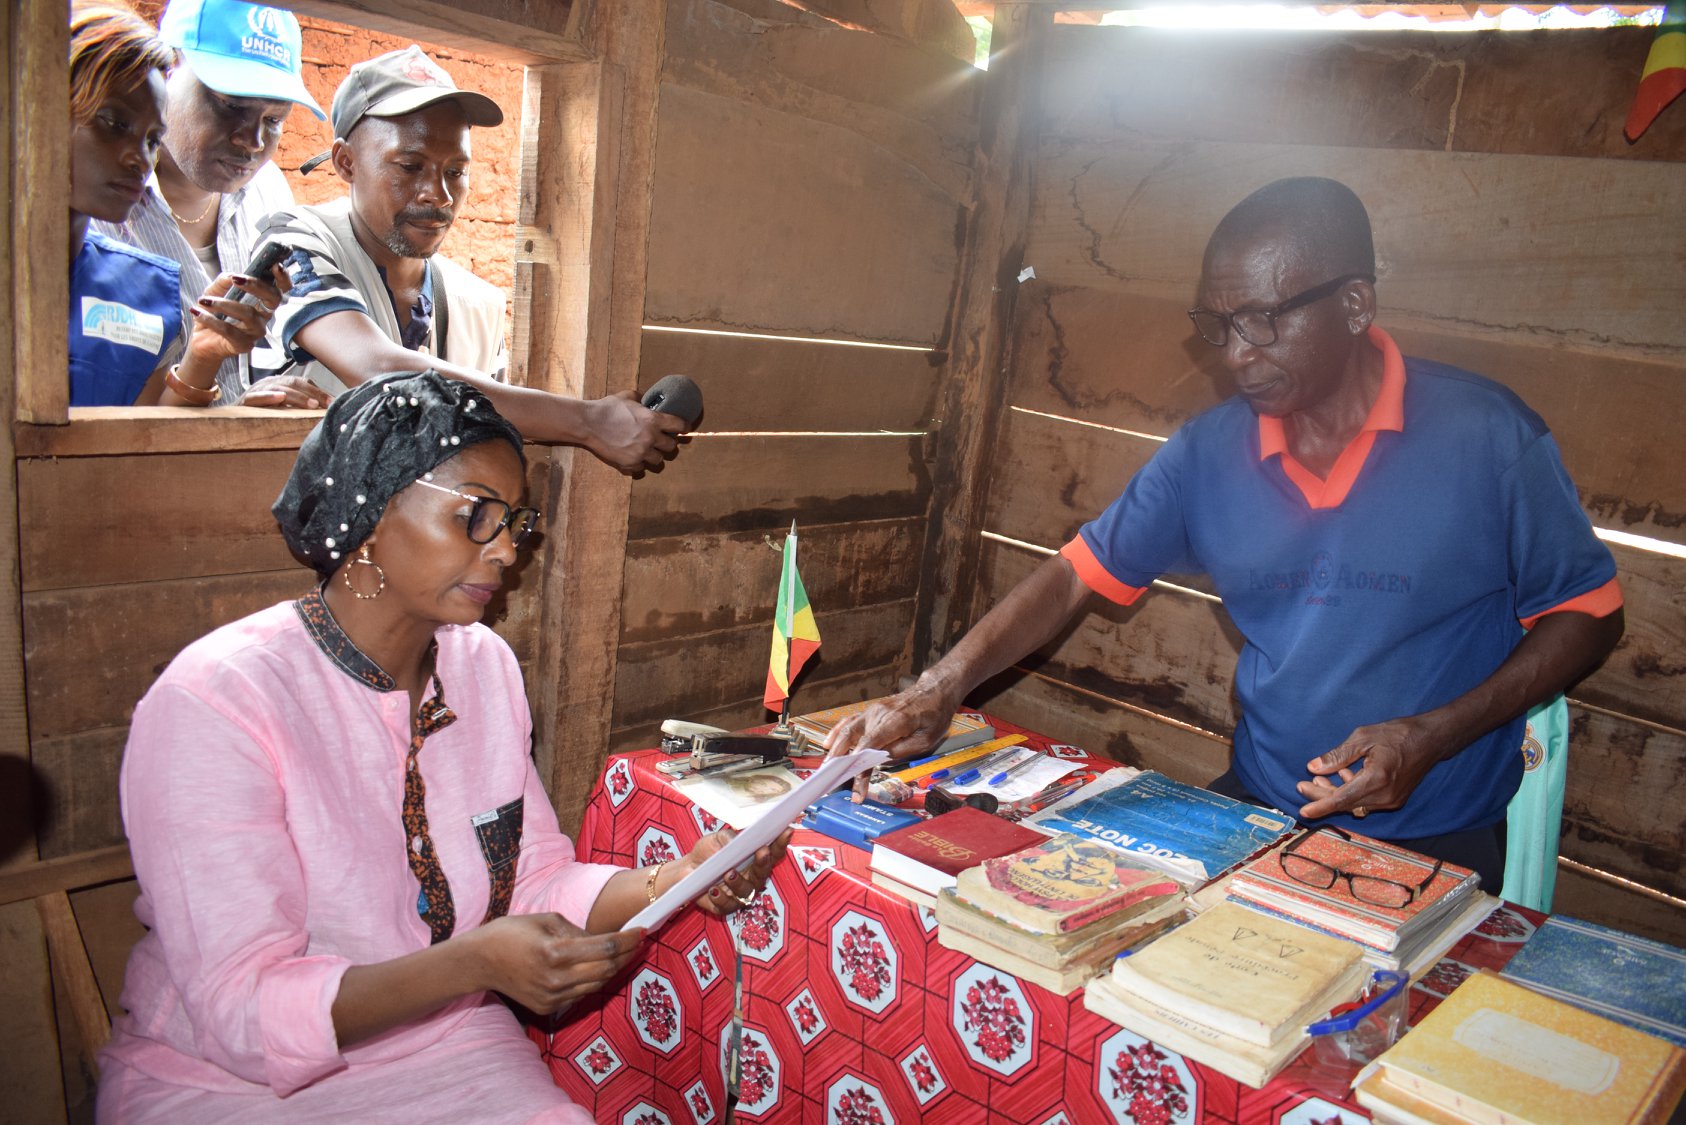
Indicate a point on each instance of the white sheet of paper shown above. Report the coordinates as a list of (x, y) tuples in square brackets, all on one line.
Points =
[(741, 850), (1026, 783)]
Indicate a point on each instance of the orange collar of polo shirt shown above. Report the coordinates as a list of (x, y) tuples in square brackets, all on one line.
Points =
[(1386, 413)]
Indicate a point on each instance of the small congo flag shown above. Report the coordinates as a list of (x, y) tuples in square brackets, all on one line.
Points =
[(795, 636), (1664, 76)]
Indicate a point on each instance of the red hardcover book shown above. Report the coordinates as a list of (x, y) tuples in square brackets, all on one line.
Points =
[(931, 854)]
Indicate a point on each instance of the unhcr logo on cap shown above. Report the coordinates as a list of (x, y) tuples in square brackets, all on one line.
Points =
[(269, 38)]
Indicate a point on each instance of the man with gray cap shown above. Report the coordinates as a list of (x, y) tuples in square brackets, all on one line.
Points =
[(371, 293), (238, 79)]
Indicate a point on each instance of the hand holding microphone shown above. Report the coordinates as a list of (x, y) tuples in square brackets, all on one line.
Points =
[(677, 395), (635, 436)]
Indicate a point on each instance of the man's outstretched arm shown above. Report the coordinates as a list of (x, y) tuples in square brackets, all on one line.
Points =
[(1033, 612), (616, 430)]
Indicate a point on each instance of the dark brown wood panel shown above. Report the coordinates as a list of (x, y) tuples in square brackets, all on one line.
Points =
[(1103, 727), (1646, 676), (689, 584), (110, 930), (836, 237), (78, 775), (1064, 475), (1607, 904), (793, 385), (1621, 806), (686, 676), (748, 713), (94, 521), (135, 630), (1120, 358), (1543, 250), (1545, 93), (1171, 653), (761, 483), (935, 25), (919, 106)]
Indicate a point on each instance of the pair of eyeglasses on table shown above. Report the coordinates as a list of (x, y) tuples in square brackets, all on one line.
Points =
[(1365, 888)]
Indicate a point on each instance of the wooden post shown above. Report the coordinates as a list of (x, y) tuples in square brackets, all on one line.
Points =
[(33, 249), (38, 42), (976, 377), (583, 246)]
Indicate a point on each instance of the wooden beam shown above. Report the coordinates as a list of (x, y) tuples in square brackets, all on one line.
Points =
[(510, 30), (587, 175), (104, 431), (73, 976), (975, 382)]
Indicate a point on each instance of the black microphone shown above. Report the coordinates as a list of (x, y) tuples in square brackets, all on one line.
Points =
[(678, 395)]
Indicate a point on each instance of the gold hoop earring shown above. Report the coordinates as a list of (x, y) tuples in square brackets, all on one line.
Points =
[(363, 559)]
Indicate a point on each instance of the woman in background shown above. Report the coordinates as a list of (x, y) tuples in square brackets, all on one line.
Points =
[(127, 326), (342, 845)]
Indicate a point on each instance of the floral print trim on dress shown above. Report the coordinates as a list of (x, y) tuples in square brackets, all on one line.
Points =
[(336, 646)]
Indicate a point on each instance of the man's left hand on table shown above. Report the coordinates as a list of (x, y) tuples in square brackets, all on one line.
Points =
[(1395, 756)]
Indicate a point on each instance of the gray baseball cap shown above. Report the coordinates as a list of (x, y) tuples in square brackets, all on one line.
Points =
[(397, 83)]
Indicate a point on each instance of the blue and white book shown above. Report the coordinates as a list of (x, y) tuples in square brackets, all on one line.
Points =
[(1189, 833), (1632, 980)]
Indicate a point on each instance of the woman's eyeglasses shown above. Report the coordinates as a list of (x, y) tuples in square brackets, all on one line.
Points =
[(1365, 888), (489, 516)]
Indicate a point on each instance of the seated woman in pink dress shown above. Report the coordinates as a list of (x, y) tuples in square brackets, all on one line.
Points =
[(343, 848)]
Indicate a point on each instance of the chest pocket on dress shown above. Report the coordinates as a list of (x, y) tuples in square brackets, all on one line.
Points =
[(499, 832)]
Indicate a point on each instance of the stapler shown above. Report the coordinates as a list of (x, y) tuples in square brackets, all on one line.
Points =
[(711, 751)]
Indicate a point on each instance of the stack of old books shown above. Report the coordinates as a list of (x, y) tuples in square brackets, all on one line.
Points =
[(1496, 1053), (1232, 988), (963, 730), (921, 859), (1055, 913), (1190, 833), (1403, 908)]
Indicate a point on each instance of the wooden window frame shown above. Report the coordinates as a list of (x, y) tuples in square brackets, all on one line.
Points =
[(44, 423)]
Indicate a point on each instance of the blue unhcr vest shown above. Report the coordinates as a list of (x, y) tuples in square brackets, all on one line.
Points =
[(125, 312)]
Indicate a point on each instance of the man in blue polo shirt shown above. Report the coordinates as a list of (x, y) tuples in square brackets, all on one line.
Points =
[(1397, 541)]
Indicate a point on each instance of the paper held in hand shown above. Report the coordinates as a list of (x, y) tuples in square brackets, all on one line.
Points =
[(740, 851)]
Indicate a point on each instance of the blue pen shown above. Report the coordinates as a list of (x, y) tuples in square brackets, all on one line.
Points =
[(1016, 768), (968, 777)]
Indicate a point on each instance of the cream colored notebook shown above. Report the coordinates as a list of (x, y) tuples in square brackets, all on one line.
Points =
[(1247, 1063), (1495, 1053), (1245, 974)]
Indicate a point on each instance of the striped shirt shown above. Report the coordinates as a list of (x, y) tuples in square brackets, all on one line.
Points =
[(239, 218)]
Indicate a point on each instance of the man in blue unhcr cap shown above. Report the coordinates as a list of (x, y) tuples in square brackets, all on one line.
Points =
[(229, 97)]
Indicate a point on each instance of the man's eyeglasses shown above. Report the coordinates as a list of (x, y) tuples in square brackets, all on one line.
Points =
[(1365, 888), (1258, 326), (488, 517)]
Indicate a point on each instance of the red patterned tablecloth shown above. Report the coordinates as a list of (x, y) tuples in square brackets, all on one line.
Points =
[(854, 1013)]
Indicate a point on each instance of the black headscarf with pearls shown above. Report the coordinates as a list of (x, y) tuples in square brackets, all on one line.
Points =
[(375, 441)]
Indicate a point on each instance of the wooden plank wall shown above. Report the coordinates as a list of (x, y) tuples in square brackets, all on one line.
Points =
[(809, 181), (1518, 235)]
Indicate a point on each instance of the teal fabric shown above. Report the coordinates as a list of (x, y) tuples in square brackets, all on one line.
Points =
[(1535, 815)]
